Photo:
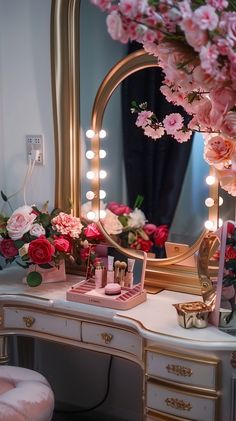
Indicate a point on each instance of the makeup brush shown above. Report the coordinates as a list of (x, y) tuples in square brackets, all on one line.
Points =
[(117, 270), (123, 266)]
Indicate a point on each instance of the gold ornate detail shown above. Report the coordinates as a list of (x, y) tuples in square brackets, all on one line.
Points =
[(106, 337), (233, 359), (179, 370), (29, 321), (178, 404)]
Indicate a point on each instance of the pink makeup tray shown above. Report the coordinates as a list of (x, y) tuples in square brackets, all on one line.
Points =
[(86, 292)]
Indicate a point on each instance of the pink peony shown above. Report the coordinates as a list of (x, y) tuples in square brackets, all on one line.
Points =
[(67, 225), (143, 118), (20, 222), (206, 17), (154, 133)]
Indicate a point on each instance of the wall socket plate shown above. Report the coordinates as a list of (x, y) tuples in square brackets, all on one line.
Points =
[(35, 142)]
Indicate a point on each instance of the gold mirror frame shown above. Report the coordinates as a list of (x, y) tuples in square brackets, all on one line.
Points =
[(160, 273)]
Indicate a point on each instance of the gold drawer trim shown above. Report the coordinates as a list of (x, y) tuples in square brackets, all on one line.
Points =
[(106, 337), (179, 370), (178, 404), (28, 320)]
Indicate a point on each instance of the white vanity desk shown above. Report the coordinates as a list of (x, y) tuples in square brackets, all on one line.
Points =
[(187, 373)]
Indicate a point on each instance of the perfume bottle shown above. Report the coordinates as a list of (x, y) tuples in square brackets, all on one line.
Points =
[(98, 275)]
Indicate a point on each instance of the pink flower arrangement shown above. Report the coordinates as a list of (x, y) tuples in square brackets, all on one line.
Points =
[(194, 42), (36, 237)]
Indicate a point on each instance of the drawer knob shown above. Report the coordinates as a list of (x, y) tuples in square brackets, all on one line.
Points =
[(29, 321), (179, 370), (106, 337), (178, 404)]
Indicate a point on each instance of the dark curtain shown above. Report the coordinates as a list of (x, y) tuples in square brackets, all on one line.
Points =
[(154, 169)]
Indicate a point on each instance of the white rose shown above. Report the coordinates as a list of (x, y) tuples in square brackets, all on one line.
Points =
[(20, 222), (111, 223), (37, 230), (137, 219)]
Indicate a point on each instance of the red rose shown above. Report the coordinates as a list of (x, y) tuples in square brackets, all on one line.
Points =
[(230, 228), (92, 232), (230, 252), (118, 208), (160, 235), (62, 244), (41, 251), (8, 248), (140, 244)]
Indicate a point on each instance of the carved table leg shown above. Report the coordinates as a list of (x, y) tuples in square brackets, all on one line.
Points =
[(4, 357)]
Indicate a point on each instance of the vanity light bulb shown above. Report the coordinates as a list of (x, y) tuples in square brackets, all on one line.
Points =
[(102, 153), (90, 133), (102, 194), (90, 195), (221, 201), (102, 214), (210, 180), (102, 134), (90, 154), (209, 225), (90, 175), (209, 202), (220, 222), (91, 215), (102, 174)]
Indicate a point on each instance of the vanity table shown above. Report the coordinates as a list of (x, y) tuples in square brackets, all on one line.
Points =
[(187, 373)]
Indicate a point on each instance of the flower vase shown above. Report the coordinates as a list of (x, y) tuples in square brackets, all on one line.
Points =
[(53, 274)]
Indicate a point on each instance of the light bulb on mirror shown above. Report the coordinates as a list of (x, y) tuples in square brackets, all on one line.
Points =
[(102, 213), (102, 153), (91, 215), (210, 180), (90, 133), (102, 194), (220, 222), (209, 202), (221, 201), (209, 225), (90, 154), (102, 174), (102, 134), (90, 175), (90, 195)]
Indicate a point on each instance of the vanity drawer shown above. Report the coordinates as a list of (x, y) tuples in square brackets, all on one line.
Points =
[(189, 371), (112, 338), (42, 322), (180, 403)]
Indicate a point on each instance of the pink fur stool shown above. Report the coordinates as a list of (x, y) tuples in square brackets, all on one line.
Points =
[(25, 395)]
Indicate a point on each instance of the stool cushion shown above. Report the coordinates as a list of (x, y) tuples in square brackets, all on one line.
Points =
[(25, 395)]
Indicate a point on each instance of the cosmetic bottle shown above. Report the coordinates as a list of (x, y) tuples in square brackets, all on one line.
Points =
[(98, 275), (129, 277), (110, 270)]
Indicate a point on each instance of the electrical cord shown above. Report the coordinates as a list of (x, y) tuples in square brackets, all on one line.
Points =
[(97, 405), (31, 163)]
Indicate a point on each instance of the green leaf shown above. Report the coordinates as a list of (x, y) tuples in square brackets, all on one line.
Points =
[(123, 220), (44, 219), (34, 279), (19, 243), (4, 197)]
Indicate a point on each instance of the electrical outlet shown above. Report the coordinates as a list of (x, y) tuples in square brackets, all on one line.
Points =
[(35, 143)]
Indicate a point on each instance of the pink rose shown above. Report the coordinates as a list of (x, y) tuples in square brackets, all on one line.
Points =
[(20, 222), (67, 225), (62, 244), (41, 251), (118, 208), (229, 124), (217, 150), (92, 232), (149, 229), (37, 230), (160, 236), (8, 248)]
